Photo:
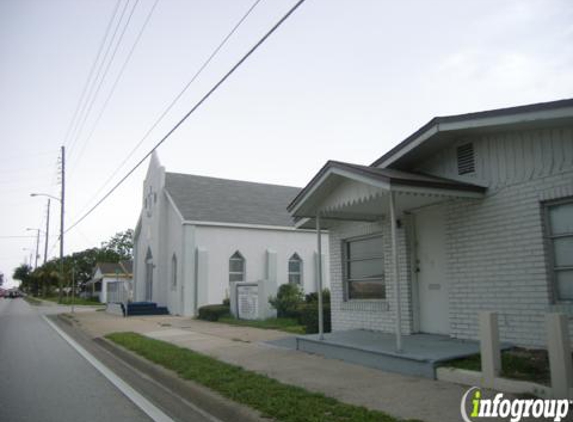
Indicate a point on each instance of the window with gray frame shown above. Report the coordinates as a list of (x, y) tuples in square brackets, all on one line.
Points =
[(364, 268), (236, 267), (560, 230), (174, 272), (295, 269)]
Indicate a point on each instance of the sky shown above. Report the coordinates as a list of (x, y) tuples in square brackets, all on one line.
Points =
[(340, 80)]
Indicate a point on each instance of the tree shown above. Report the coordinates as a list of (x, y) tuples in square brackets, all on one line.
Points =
[(23, 273), (48, 276), (85, 261), (1, 279), (79, 265), (122, 244)]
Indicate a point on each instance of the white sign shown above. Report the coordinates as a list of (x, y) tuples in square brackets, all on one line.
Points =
[(248, 301)]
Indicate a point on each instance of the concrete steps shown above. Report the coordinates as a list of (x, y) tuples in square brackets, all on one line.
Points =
[(145, 308)]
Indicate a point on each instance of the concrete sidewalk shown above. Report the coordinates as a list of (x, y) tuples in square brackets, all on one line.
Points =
[(400, 396)]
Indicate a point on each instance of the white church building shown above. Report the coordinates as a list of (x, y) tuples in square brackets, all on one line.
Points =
[(197, 237)]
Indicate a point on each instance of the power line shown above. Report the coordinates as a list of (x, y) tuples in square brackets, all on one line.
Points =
[(195, 107), (19, 181), (91, 99), (102, 43), (27, 154), (108, 66), (114, 86), (177, 98), (93, 82)]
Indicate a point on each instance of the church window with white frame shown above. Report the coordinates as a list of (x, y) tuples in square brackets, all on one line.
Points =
[(236, 267), (295, 269)]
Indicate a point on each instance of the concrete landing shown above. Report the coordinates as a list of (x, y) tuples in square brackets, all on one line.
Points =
[(420, 355)]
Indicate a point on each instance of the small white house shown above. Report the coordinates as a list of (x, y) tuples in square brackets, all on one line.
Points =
[(471, 212), (197, 237), (109, 278)]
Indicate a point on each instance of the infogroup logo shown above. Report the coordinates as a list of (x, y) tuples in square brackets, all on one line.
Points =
[(513, 409)]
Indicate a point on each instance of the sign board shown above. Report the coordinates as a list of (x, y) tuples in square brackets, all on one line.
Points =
[(248, 301)]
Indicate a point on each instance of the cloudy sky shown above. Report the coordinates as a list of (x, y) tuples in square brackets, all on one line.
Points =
[(343, 80)]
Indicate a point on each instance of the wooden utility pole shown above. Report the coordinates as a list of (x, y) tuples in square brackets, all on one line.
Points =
[(62, 201), (73, 285), (47, 233), (37, 248)]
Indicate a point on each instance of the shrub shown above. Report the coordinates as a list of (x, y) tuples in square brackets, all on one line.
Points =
[(308, 316), (288, 299), (313, 297), (212, 312), (227, 302)]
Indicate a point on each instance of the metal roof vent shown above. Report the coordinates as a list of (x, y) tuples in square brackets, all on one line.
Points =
[(466, 159)]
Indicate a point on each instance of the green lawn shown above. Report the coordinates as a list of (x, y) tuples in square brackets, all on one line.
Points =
[(77, 301), (32, 301), (290, 325), (520, 364), (282, 402)]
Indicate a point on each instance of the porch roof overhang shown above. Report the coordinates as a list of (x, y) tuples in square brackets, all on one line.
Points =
[(92, 281), (343, 191)]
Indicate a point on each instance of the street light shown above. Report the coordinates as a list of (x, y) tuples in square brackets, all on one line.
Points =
[(37, 244), (47, 195), (61, 201)]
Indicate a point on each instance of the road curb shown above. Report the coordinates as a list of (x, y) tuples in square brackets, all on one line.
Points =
[(198, 395)]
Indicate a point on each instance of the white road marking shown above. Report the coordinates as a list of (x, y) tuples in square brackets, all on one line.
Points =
[(145, 405)]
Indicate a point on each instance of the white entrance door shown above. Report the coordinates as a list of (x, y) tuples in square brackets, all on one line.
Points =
[(431, 269)]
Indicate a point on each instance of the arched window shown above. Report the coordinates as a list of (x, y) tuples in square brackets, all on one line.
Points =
[(174, 272), (295, 269), (149, 275), (236, 267)]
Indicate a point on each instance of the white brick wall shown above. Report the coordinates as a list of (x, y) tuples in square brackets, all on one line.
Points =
[(497, 259), (369, 314)]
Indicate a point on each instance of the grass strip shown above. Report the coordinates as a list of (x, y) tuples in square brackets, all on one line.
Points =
[(289, 325), (77, 301), (32, 301), (282, 402), (519, 364)]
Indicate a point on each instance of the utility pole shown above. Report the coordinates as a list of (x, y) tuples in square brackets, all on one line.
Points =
[(37, 247), (62, 201), (73, 284), (47, 233)]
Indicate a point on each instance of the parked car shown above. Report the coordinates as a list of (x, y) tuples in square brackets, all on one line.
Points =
[(13, 294)]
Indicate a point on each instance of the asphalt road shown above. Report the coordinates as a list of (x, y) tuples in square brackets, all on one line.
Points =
[(42, 378)]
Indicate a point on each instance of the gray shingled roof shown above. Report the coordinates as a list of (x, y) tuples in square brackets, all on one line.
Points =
[(200, 198), (123, 267), (467, 117)]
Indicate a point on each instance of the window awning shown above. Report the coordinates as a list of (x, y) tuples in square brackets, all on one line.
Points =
[(343, 191)]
